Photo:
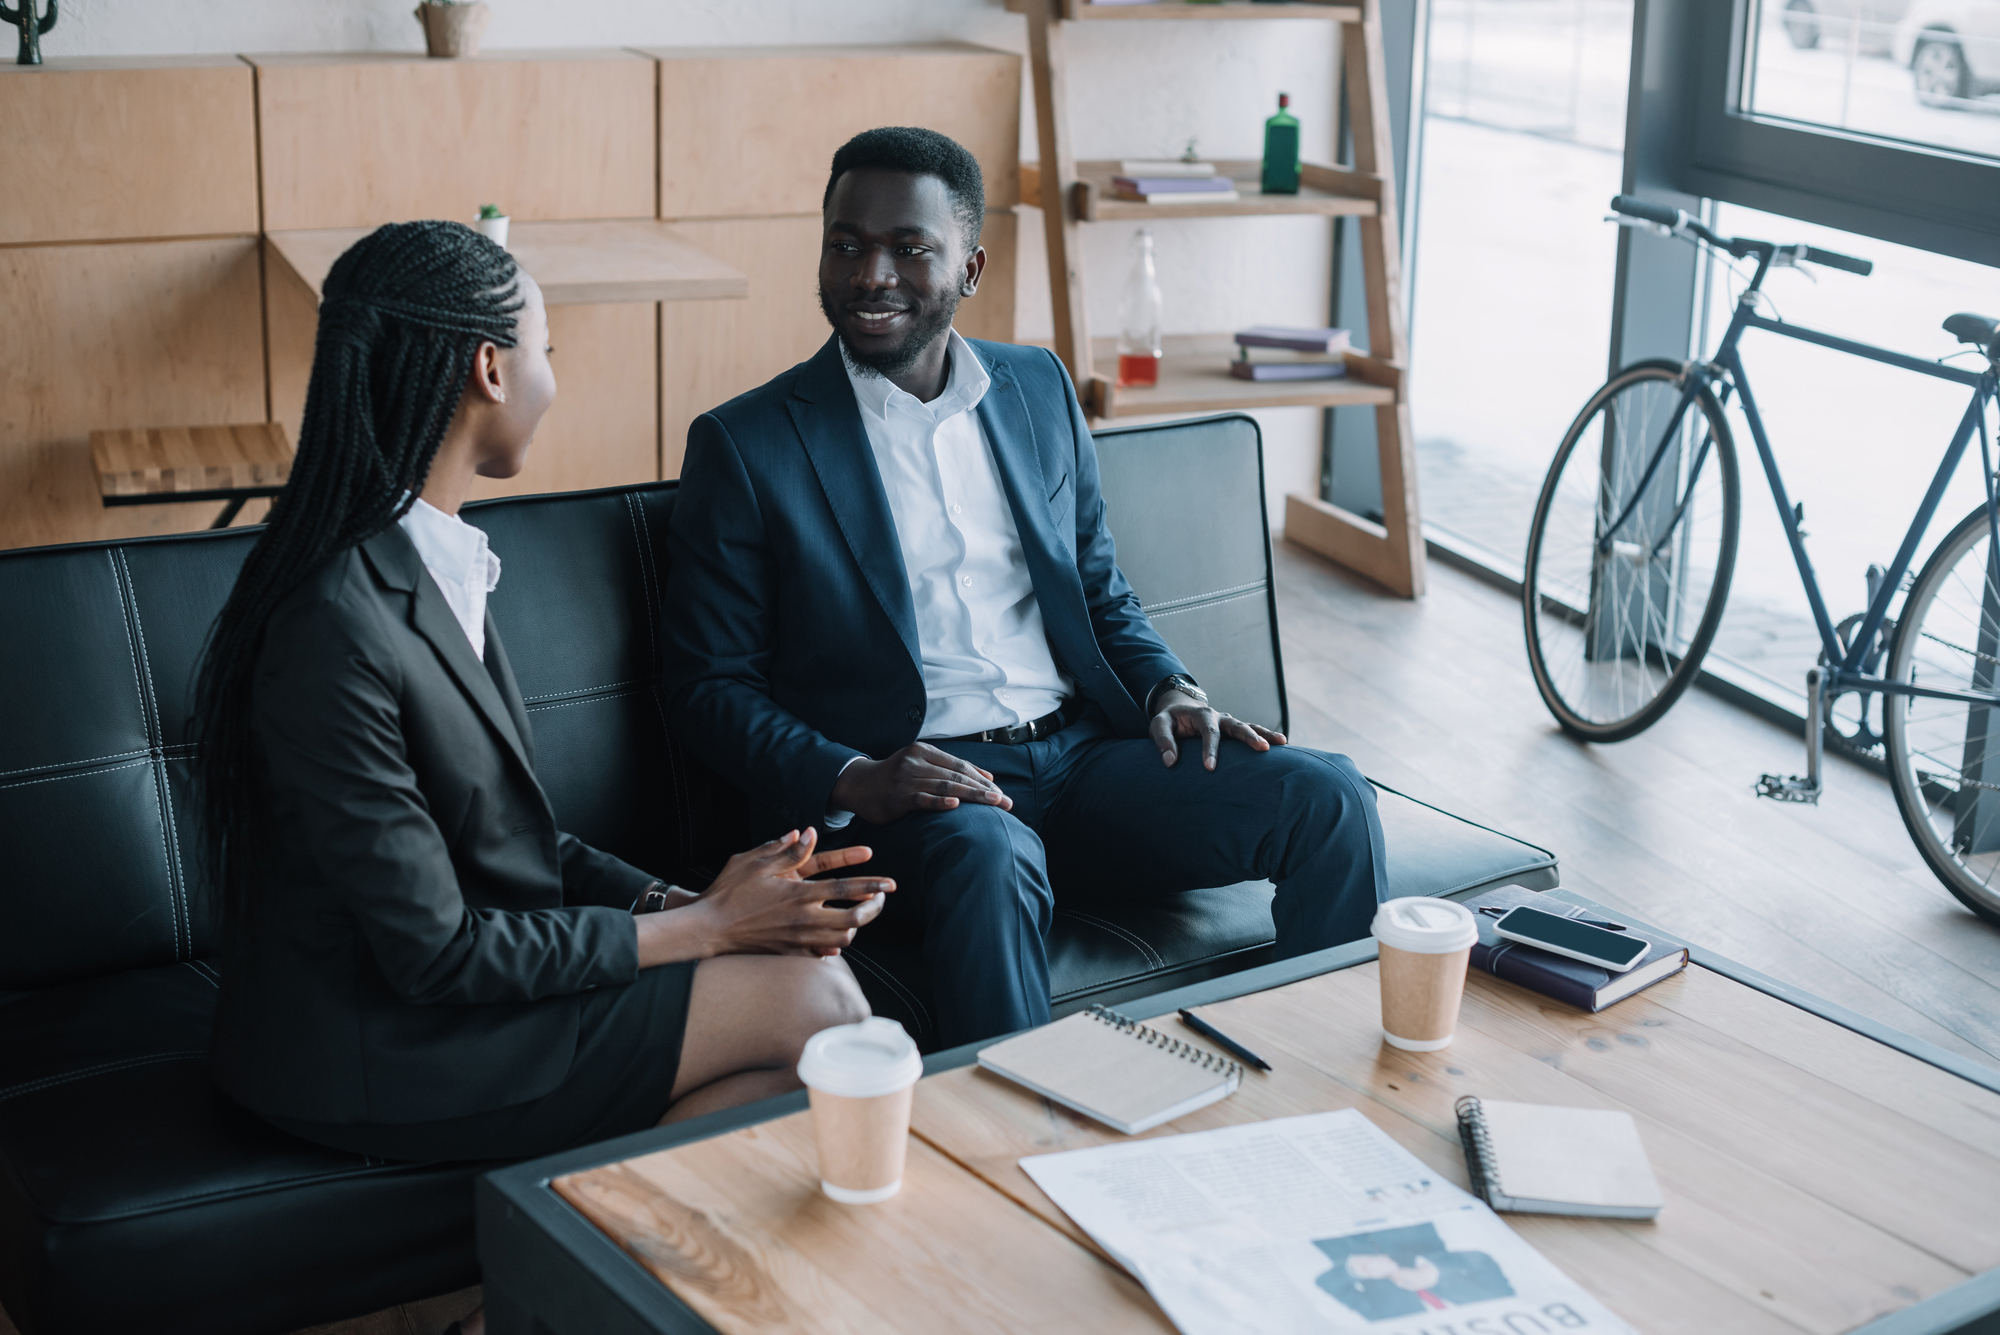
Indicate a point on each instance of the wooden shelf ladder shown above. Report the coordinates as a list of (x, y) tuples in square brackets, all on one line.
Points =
[(1194, 374)]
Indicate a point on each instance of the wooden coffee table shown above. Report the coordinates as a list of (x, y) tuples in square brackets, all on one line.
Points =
[(1822, 1174)]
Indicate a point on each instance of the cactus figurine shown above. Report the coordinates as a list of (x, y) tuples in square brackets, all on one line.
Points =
[(21, 14)]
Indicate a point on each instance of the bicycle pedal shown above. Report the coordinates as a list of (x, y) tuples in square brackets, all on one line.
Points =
[(1788, 788)]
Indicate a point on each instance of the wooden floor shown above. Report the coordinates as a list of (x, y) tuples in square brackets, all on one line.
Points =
[(1434, 698)]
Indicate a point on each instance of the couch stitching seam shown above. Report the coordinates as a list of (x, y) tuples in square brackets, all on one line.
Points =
[(1154, 614), (1158, 960), (1234, 591), (102, 1068), (580, 700), (584, 690), (85, 774), (73, 764), (895, 985), (118, 577), (178, 882)]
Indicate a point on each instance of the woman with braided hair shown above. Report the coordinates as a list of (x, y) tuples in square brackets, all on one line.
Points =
[(418, 964)]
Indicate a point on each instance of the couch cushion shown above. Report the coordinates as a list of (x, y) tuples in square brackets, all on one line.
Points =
[(579, 607), (136, 1197), (104, 639), (1107, 947)]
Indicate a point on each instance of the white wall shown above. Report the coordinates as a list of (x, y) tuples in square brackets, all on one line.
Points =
[(1136, 89)]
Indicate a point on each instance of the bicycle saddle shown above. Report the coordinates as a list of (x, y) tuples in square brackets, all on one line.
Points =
[(1969, 328)]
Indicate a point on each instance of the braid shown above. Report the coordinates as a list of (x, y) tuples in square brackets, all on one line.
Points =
[(403, 314)]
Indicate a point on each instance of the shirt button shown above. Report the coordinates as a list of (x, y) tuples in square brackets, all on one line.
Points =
[(956, 509), (967, 581)]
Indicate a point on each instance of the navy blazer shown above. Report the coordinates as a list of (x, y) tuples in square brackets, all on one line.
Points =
[(791, 638)]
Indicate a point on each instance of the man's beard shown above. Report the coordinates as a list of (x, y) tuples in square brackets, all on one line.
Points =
[(894, 361)]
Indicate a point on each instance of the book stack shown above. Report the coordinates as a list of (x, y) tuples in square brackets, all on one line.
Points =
[(1172, 183), (1588, 987), (1279, 352)]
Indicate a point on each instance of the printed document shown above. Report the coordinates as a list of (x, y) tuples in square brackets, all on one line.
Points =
[(1317, 1223)]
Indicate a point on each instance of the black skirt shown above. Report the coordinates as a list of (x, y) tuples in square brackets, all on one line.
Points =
[(628, 1051)]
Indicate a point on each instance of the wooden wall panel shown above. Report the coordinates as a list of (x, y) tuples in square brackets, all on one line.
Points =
[(98, 150), (163, 333), (747, 132), (363, 139), (711, 351), (604, 428)]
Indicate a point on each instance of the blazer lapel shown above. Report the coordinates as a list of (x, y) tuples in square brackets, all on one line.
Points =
[(397, 564), (829, 425), (502, 673)]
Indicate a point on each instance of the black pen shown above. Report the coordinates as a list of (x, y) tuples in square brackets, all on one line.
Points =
[(1207, 1030)]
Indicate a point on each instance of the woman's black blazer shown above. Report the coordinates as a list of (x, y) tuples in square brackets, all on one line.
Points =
[(420, 944)]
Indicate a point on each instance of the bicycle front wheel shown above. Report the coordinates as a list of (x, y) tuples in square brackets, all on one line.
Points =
[(1944, 755), (1617, 630)]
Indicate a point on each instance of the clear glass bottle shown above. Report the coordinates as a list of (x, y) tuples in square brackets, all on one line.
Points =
[(1139, 328), (1281, 150)]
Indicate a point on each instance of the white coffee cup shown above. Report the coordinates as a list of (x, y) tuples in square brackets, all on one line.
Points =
[(861, 1079), (1425, 947)]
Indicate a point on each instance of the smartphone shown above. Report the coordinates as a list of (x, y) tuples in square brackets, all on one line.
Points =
[(1566, 936)]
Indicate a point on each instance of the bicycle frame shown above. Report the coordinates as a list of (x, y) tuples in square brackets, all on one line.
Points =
[(1725, 371)]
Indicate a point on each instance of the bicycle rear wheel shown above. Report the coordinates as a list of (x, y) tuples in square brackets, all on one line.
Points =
[(1938, 750), (1615, 636)]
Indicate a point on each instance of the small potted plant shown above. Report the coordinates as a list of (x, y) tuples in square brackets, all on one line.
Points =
[(493, 224), (452, 28)]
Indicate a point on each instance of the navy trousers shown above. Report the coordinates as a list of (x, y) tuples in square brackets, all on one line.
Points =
[(1095, 809)]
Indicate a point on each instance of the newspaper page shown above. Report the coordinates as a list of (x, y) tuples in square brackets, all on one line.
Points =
[(1316, 1223)]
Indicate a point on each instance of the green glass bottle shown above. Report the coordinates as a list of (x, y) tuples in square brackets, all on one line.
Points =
[(1281, 150)]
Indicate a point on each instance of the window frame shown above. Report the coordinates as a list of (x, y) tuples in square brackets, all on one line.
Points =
[(1935, 200)]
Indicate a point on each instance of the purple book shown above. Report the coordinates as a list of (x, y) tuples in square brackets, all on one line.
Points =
[(1299, 340), (1173, 185), (1588, 987)]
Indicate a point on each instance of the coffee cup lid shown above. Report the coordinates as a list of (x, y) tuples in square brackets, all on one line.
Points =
[(861, 1061), (1425, 926)]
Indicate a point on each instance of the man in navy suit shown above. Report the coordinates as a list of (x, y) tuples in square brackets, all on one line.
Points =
[(893, 597)]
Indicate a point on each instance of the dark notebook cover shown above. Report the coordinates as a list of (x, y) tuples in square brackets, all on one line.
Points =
[(1587, 987)]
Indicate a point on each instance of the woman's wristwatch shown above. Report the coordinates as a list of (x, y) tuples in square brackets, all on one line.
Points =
[(657, 897)]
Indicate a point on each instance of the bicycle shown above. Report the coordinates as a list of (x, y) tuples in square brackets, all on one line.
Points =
[(1634, 542)]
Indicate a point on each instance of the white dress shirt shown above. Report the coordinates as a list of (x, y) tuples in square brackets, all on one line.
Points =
[(986, 659), (465, 568)]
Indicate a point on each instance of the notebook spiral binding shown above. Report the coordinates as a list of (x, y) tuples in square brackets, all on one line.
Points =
[(1145, 1033), (1479, 1164)]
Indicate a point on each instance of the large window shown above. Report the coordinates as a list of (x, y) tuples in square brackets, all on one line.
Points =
[(1920, 72), (1524, 123)]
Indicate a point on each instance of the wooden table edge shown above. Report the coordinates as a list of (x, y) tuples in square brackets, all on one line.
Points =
[(526, 1231)]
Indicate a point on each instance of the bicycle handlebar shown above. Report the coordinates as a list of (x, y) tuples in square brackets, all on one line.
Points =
[(1678, 221), (1833, 260), (1634, 207)]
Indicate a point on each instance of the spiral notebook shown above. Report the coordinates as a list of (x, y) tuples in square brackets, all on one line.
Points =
[(1531, 1158), (1114, 1070)]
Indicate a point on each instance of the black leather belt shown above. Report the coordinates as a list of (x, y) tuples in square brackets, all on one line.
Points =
[(1032, 731)]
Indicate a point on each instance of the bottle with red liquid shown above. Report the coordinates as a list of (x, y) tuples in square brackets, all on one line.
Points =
[(1139, 329)]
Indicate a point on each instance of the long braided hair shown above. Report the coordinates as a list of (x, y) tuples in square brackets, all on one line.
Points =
[(402, 315)]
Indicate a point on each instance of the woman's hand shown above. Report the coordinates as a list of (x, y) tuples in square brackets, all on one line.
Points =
[(763, 904)]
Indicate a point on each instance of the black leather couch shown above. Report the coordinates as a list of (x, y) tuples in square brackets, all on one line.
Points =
[(133, 1197)]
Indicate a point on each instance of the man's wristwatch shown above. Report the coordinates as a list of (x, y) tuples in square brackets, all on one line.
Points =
[(1179, 681)]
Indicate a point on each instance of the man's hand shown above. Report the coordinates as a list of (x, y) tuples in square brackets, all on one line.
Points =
[(920, 777), (762, 904), (1177, 714)]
